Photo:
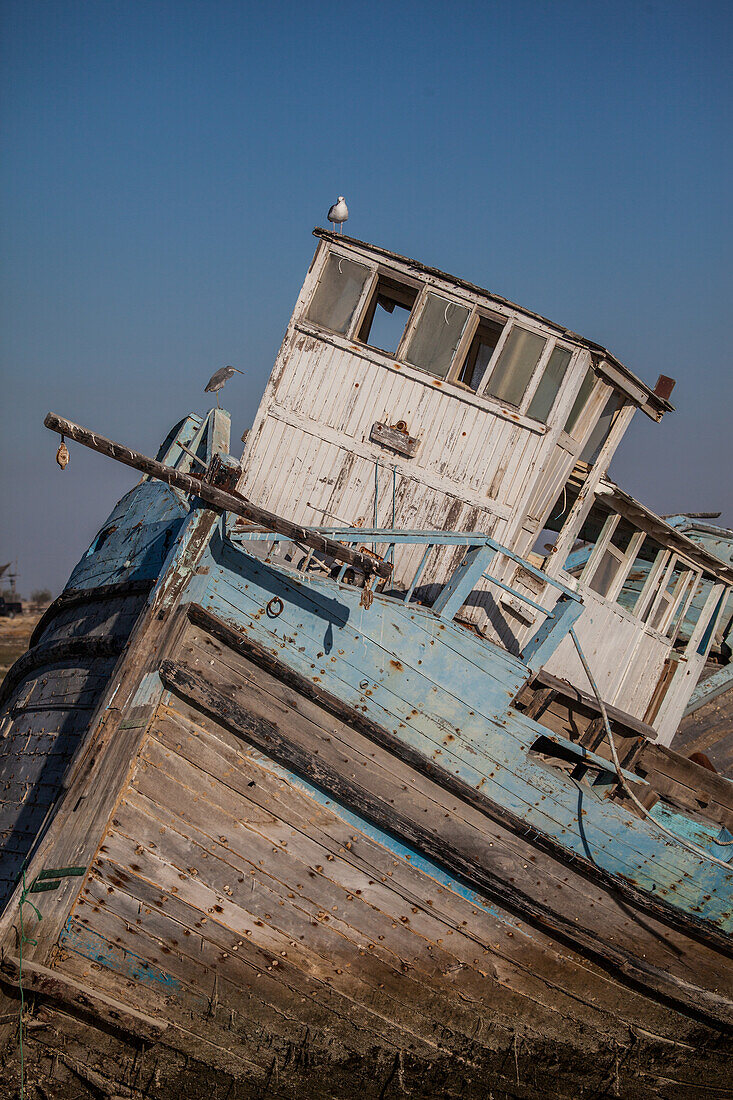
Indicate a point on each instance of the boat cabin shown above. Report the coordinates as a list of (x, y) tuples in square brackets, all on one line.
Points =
[(408, 399)]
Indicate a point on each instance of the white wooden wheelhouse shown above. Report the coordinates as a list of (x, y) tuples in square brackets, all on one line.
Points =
[(403, 397)]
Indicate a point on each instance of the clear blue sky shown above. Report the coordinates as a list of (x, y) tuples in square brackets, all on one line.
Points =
[(163, 164)]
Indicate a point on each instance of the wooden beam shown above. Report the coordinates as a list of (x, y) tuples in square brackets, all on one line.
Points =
[(563, 687), (59, 987), (216, 498), (540, 701)]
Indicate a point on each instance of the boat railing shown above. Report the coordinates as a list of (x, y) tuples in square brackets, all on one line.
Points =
[(480, 557)]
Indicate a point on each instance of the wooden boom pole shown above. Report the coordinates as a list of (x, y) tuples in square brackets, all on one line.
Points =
[(217, 498)]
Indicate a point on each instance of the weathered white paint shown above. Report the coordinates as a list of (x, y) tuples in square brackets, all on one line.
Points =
[(480, 464)]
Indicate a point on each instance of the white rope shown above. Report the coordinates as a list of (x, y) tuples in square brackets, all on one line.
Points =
[(622, 779)]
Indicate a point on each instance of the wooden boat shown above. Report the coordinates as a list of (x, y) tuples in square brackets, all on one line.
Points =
[(384, 807)]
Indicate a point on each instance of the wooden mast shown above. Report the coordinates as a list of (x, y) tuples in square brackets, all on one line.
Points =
[(215, 497)]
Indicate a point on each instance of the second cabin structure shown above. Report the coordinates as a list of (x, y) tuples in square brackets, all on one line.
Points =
[(406, 398)]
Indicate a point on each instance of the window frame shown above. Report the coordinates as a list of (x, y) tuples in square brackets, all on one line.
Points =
[(536, 379), (340, 255), (624, 558), (532, 381), (477, 318), (429, 287), (477, 315), (684, 584), (369, 299)]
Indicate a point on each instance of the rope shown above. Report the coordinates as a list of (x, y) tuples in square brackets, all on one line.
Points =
[(390, 553), (23, 940), (394, 495), (622, 779), (376, 500)]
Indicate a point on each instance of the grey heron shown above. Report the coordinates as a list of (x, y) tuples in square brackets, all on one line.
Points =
[(218, 379)]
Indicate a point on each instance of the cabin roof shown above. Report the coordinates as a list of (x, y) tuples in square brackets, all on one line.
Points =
[(652, 403), (670, 536)]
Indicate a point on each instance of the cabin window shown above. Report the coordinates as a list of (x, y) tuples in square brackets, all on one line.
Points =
[(586, 389), (615, 555), (338, 293), (479, 354), (662, 614), (387, 314), (552, 379), (602, 430), (435, 338), (692, 588), (704, 642), (515, 365), (636, 579)]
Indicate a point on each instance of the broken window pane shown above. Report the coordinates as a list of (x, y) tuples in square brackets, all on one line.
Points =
[(580, 402), (387, 315), (517, 361), (604, 575), (602, 430), (678, 581), (480, 353), (612, 558), (649, 555), (550, 383), (337, 294), (436, 335)]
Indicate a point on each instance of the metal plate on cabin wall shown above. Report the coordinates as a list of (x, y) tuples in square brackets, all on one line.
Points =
[(395, 438)]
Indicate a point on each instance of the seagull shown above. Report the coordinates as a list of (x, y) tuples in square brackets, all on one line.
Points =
[(339, 213), (218, 379)]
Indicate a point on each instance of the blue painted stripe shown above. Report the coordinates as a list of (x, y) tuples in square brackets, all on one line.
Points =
[(390, 843), (520, 780), (450, 700), (89, 944)]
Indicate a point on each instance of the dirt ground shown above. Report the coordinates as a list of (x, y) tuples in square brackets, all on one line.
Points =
[(14, 637)]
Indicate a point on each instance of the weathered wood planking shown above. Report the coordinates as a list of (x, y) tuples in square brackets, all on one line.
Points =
[(298, 752), (192, 781), (52, 691), (97, 743), (450, 903), (197, 901), (461, 725), (478, 463), (709, 729)]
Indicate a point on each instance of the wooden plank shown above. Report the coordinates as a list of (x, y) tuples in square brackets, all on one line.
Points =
[(370, 873), (688, 783), (211, 928), (268, 738), (540, 700), (553, 816), (564, 687), (80, 995), (394, 438), (347, 910)]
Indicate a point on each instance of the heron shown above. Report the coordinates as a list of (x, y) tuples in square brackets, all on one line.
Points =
[(218, 379), (339, 213)]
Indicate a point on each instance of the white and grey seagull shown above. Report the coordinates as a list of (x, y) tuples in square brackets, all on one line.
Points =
[(218, 379), (339, 213)]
